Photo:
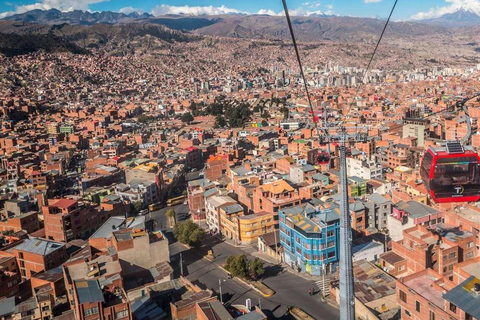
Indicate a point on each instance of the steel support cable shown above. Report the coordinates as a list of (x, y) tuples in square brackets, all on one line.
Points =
[(302, 74), (457, 104), (374, 51)]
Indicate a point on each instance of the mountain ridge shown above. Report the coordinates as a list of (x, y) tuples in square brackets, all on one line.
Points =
[(459, 19)]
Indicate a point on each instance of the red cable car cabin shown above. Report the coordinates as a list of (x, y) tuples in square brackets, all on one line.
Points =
[(451, 173), (323, 157)]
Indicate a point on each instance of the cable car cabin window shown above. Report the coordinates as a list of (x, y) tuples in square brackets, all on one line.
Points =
[(456, 177), (425, 168)]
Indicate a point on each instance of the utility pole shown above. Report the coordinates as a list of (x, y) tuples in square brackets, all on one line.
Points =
[(323, 279), (276, 247), (181, 264), (220, 290)]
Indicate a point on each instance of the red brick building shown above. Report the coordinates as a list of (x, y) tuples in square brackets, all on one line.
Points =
[(216, 167), (68, 219), (37, 255), (439, 249)]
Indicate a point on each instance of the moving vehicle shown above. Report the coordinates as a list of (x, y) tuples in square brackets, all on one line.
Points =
[(154, 206), (175, 201), (323, 157), (451, 173)]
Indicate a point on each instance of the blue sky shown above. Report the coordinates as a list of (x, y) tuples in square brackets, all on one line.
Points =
[(406, 9)]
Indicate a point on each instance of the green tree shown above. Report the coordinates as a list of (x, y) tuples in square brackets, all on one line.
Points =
[(144, 119), (220, 122), (239, 115), (187, 117), (237, 265), (189, 233), (215, 109), (170, 213), (196, 237), (137, 206), (264, 123), (171, 217), (285, 111), (255, 268)]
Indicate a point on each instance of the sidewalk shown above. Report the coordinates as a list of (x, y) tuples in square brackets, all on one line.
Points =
[(286, 267), (232, 242)]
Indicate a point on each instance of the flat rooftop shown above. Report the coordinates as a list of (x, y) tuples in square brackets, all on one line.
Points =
[(106, 266), (473, 269), (423, 285), (469, 214)]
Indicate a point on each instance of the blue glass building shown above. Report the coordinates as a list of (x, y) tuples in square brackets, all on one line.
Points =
[(310, 237)]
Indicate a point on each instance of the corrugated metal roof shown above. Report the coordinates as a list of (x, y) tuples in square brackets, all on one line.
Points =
[(464, 297), (39, 246), (88, 291), (7, 306)]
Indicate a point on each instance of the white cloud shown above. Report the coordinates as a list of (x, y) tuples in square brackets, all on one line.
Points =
[(128, 10), (6, 14), (305, 12), (372, 1), (269, 12), (307, 8), (194, 11), (454, 5), (312, 5), (62, 5)]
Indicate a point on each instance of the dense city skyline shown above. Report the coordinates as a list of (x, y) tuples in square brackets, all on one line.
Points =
[(406, 10), (209, 167)]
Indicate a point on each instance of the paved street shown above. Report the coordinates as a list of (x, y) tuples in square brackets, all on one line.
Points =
[(291, 289), (161, 219)]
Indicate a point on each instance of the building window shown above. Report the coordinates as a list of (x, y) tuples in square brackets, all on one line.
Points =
[(417, 306), (452, 255), (330, 233), (453, 308), (469, 255), (407, 312), (121, 314), (90, 312), (403, 296), (331, 254), (401, 268), (470, 244), (330, 244), (432, 315)]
